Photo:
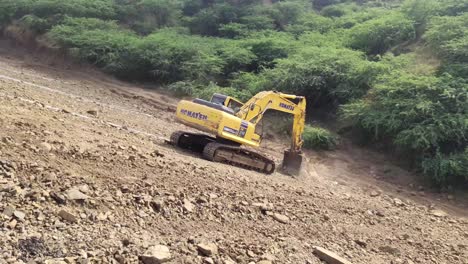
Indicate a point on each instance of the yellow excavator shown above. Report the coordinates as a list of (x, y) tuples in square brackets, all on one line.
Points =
[(233, 123)]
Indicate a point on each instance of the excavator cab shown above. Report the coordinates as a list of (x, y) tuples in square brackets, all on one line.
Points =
[(227, 101)]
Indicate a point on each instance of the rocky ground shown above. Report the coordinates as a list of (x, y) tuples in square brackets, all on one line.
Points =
[(86, 177)]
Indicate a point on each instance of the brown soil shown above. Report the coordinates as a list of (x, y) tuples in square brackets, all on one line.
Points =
[(66, 130)]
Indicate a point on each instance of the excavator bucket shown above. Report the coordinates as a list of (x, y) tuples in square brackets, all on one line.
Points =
[(292, 162)]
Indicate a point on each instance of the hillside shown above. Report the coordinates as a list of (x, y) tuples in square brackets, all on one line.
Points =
[(86, 177), (392, 72)]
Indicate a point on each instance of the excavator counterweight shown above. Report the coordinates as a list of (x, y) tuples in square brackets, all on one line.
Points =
[(235, 129)]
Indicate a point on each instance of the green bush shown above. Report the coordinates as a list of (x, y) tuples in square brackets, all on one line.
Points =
[(325, 75), (449, 36), (173, 57), (77, 8), (13, 9), (447, 169), (317, 138), (421, 115), (339, 9), (311, 22), (233, 30), (150, 15), (268, 46), (376, 36)]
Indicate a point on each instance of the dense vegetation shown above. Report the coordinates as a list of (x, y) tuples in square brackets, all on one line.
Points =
[(395, 70)]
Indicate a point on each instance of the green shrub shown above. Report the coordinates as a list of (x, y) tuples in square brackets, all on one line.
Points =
[(376, 36), (173, 57), (286, 13), (447, 169), (75, 8), (317, 138), (35, 24), (268, 46), (150, 15), (449, 36), (233, 30), (13, 9), (102, 43), (207, 22), (325, 75), (339, 9), (420, 115), (235, 57), (311, 22)]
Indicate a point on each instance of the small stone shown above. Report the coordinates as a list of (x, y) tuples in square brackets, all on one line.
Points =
[(360, 242), (8, 211), (438, 213), (208, 249), (19, 215), (329, 257), (281, 218), (208, 261), (12, 224), (379, 213), (46, 147), (390, 250), (55, 261), (188, 206), (157, 204), (156, 255), (67, 216), (398, 202), (92, 112), (374, 193), (58, 198), (75, 194)]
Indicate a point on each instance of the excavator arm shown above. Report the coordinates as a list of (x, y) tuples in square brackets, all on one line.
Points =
[(254, 109)]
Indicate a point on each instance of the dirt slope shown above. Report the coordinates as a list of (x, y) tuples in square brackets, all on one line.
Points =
[(85, 177)]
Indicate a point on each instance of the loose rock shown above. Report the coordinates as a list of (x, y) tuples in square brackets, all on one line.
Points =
[(19, 215), (438, 213), (67, 216), (329, 257), (75, 194), (281, 218), (156, 255), (188, 206), (208, 249), (46, 147)]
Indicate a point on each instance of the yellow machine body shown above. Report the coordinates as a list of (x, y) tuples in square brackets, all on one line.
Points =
[(217, 122)]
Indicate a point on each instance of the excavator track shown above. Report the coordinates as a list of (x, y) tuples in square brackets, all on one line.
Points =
[(239, 157), (223, 153)]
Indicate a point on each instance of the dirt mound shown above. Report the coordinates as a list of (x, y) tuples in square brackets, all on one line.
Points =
[(85, 177)]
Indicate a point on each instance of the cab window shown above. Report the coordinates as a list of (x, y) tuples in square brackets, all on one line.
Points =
[(236, 106), (218, 100)]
